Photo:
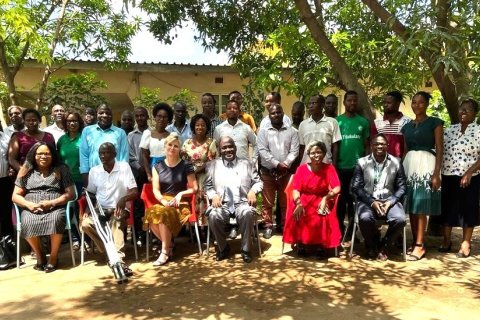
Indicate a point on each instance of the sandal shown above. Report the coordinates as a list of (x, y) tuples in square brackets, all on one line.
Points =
[(413, 257), (162, 259), (76, 246), (461, 253)]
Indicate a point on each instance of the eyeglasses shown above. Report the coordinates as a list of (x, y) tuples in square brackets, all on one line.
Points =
[(72, 121), (379, 144), (43, 154)]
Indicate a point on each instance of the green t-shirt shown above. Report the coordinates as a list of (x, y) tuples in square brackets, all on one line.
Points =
[(355, 131), (68, 150)]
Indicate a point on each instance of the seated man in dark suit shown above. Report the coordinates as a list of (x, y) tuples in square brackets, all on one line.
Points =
[(379, 184), (232, 185)]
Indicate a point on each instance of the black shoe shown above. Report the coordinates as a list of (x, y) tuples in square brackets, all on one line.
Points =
[(445, 249), (233, 233), (321, 254), (222, 255), (247, 258), (301, 251), (372, 254), (127, 271), (50, 267), (39, 267), (267, 234)]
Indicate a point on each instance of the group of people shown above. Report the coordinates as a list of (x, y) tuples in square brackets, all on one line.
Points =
[(315, 171)]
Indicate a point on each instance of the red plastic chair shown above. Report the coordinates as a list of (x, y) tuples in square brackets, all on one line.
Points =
[(82, 203), (149, 200)]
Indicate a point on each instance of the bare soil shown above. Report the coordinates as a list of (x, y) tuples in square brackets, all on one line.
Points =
[(276, 286)]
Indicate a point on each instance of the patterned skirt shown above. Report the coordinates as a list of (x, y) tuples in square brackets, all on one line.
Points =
[(420, 198), (173, 218), (43, 224)]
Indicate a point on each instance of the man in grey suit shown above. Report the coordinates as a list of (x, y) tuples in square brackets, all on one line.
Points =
[(232, 185), (379, 185)]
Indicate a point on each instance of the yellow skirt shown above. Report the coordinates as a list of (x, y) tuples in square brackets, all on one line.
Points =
[(173, 218)]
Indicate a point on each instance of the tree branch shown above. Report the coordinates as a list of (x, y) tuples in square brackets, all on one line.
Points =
[(444, 83), (345, 73), (443, 7), (389, 19), (9, 78), (56, 37), (21, 58)]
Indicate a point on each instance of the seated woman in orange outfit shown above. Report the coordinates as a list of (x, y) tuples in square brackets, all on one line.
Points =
[(311, 217)]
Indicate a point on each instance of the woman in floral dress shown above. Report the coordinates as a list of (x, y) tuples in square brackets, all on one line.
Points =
[(199, 150)]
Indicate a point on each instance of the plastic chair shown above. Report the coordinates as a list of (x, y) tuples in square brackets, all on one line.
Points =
[(149, 200), (68, 226), (380, 222), (82, 203), (255, 234), (288, 191)]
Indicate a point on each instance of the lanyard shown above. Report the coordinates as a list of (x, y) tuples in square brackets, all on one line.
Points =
[(377, 173)]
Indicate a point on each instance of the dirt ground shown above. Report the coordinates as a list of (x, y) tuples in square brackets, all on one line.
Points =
[(276, 286)]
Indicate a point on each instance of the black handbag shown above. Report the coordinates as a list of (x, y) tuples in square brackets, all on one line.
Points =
[(7, 253)]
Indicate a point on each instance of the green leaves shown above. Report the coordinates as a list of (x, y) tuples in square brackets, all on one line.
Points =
[(75, 91), (87, 29)]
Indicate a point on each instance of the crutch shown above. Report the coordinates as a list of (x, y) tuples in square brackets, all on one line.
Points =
[(105, 234)]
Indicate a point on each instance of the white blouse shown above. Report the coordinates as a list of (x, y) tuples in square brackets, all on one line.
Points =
[(460, 151), (154, 145)]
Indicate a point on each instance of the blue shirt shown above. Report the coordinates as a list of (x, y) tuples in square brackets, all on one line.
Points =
[(92, 137), (184, 134)]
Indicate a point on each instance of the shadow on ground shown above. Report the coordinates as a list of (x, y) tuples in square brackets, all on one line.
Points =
[(274, 286)]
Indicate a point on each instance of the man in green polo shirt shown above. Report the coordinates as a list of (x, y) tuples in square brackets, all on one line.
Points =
[(355, 131)]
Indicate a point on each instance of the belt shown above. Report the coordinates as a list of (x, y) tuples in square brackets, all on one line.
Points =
[(273, 172), (108, 212)]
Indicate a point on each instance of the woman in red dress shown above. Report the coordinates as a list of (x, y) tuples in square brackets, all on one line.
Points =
[(311, 211)]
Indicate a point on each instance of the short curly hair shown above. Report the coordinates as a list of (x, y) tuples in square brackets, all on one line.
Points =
[(197, 117), (163, 106)]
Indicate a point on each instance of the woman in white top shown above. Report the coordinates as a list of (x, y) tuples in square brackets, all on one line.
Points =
[(460, 178), (152, 143)]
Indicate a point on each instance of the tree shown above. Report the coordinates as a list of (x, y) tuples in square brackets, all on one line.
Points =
[(74, 92), (56, 32), (347, 44), (186, 96)]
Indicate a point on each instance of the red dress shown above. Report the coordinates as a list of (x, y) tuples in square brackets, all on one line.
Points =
[(312, 228)]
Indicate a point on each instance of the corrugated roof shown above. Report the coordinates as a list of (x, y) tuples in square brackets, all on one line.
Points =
[(151, 63)]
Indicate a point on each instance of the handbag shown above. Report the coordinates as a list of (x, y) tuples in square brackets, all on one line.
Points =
[(7, 253)]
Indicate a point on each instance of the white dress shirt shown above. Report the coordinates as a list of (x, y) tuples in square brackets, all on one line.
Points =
[(55, 131)]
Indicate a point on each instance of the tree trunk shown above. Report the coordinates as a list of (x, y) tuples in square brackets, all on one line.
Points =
[(345, 73), (448, 89), (8, 74), (48, 72)]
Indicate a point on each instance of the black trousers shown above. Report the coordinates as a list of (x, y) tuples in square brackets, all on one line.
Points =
[(367, 220), (6, 223), (345, 206)]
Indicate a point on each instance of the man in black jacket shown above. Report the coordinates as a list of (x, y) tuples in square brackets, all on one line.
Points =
[(379, 185)]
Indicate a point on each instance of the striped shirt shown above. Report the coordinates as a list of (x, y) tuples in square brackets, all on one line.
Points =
[(392, 130)]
